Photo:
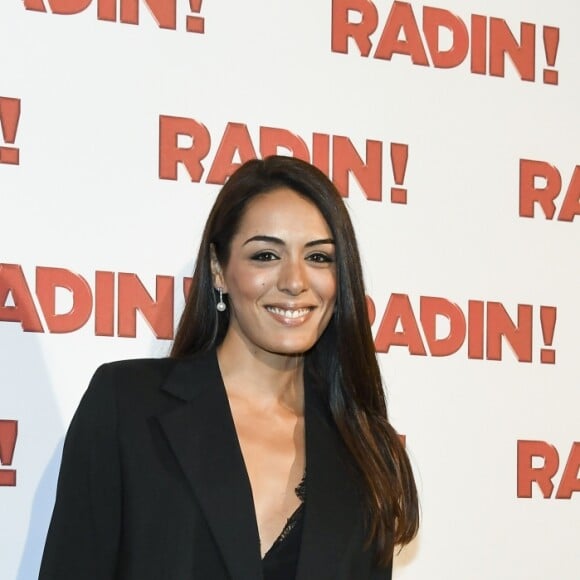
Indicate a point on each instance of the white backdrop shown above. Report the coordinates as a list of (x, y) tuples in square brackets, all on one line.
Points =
[(469, 289)]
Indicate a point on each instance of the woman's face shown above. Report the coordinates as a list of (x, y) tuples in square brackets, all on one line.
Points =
[(281, 274)]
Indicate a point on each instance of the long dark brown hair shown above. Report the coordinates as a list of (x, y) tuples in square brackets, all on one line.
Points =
[(344, 357)]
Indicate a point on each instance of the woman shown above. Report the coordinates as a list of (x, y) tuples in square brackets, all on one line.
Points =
[(261, 448)]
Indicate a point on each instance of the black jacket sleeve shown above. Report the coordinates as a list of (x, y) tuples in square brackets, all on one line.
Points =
[(83, 537)]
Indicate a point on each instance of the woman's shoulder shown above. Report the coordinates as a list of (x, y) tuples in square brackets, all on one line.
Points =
[(125, 373), (127, 382), (146, 369), (154, 379), (149, 385)]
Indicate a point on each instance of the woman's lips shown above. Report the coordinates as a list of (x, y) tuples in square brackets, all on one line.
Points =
[(289, 316)]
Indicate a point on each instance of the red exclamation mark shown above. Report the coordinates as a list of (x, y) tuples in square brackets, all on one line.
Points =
[(195, 23), (399, 157), (548, 321), (9, 117), (8, 434), (551, 41)]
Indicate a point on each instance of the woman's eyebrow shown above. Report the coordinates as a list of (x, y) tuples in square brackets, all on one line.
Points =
[(269, 239), (279, 242), (319, 242)]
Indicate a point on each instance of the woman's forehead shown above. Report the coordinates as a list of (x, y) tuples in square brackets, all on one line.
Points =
[(282, 212)]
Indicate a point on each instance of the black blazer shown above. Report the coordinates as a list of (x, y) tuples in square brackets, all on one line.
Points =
[(153, 485)]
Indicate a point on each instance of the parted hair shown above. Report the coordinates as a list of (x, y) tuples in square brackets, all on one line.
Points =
[(343, 360)]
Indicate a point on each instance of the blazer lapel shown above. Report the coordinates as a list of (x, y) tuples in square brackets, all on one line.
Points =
[(332, 511), (202, 435)]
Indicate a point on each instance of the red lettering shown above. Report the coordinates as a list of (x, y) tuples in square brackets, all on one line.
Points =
[(8, 436), (36, 5), (518, 336), (321, 152), (542, 476), (107, 10), (522, 54), (195, 24), (13, 283), (475, 310), (158, 312), (442, 327), (47, 281), (171, 154), (371, 310), (478, 44), (531, 193), (68, 6), (541, 183), (236, 142), (104, 303), (272, 139), (571, 205), (433, 20), (570, 481), (490, 40), (163, 11), (360, 32), (368, 173), (445, 326), (399, 314), (186, 287), (236, 147), (401, 22), (431, 310)]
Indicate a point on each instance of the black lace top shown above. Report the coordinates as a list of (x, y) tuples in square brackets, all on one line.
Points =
[(281, 560)]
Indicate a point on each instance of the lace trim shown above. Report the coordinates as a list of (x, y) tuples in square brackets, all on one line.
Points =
[(300, 491)]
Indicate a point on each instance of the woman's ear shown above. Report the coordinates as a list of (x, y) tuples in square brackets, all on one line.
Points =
[(216, 270)]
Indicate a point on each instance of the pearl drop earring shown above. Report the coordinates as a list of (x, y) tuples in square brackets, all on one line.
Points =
[(221, 305)]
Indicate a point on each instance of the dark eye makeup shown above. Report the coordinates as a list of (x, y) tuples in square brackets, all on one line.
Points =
[(269, 256), (320, 257), (264, 256)]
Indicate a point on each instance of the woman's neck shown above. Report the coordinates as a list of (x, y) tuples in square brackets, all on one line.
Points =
[(267, 379)]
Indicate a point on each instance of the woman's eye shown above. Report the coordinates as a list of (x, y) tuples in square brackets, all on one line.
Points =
[(264, 256), (321, 258)]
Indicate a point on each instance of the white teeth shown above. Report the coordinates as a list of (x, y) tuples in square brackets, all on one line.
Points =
[(288, 313)]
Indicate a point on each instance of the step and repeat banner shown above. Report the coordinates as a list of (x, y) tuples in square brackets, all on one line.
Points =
[(450, 129)]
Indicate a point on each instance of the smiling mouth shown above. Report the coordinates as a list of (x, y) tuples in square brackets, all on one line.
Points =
[(291, 314)]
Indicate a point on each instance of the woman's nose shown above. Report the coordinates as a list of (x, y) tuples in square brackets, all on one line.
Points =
[(293, 278)]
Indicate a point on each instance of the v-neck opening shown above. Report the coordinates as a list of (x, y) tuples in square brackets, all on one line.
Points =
[(293, 519)]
